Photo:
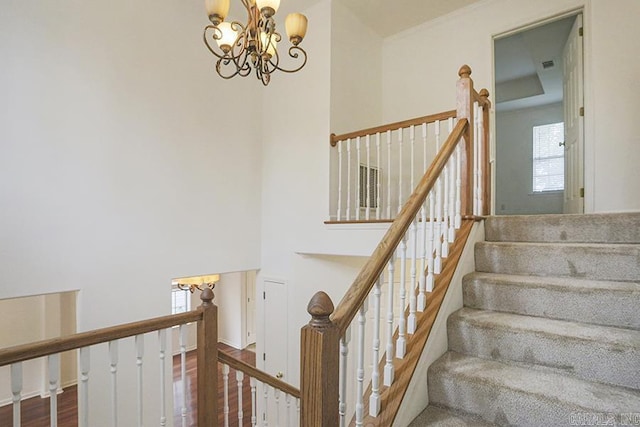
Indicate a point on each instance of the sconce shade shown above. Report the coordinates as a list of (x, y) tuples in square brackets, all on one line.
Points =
[(271, 47), (229, 35), (296, 26), (273, 4), (217, 8)]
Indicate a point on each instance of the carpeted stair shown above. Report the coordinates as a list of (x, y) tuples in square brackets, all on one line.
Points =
[(550, 330)]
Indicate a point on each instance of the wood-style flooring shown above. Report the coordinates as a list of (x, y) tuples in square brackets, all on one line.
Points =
[(35, 411)]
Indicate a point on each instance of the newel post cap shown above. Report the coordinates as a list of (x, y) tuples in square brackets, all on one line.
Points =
[(484, 93), (464, 72), (320, 308), (207, 296)]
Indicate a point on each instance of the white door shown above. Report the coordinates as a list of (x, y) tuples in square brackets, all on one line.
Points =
[(573, 121), (275, 328)]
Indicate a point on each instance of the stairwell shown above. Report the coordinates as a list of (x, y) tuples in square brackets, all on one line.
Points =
[(549, 334)]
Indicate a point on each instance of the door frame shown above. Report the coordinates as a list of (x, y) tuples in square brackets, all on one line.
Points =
[(588, 126)]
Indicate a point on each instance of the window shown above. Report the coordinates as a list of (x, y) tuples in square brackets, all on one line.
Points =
[(368, 185), (180, 301), (548, 157)]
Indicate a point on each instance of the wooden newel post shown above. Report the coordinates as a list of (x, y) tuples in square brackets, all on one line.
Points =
[(319, 372), (208, 361), (464, 107), (486, 140)]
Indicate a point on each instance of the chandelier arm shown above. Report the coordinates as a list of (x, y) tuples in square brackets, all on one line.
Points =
[(294, 52)]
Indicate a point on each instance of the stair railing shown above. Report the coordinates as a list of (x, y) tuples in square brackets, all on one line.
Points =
[(404, 267), (210, 410)]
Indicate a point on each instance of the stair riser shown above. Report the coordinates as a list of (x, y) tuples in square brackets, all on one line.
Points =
[(617, 263), (601, 228), (586, 359), (498, 405), (600, 307)]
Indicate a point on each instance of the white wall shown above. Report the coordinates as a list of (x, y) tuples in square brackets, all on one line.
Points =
[(514, 161), (230, 298), (125, 162), (424, 80)]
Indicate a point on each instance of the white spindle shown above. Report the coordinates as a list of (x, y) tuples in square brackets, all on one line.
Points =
[(342, 396), (401, 346), (452, 192), (254, 408), (388, 174), (444, 226), (358, 163), (476, 166), (402, 323), (54, 380), (16, 392), (162, 338), (348, 212), (265, 394), (276, 396), (182, 332), (83, 395), (388, 367), (412, 141), (422, 296), (360, 369), (225, 394), (379, 176), (368, 184), (374, 399), (400, 160), (458, 218), (287, 399), (139, 340), (430, 246), (437, 233), (239, 380), (113, 368), (339, 211), (481, 145), (297, 409)]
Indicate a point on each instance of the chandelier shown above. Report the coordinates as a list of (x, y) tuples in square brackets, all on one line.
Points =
[(252, 46)]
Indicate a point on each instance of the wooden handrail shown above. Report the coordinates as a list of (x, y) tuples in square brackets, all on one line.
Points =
[(362, 285), (51, 346), (262, 376), (392, 126)]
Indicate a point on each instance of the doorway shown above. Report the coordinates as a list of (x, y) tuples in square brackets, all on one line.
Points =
[(539, 153)]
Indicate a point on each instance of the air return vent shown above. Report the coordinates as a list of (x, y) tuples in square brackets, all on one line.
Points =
[(548, 64)]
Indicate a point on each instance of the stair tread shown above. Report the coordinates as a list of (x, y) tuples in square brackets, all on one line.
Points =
[(565, 389), (440, 417), (617, 338), (590, 245), (573, 284)]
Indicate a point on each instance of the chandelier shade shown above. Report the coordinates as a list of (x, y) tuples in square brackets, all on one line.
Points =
[(241, 49)]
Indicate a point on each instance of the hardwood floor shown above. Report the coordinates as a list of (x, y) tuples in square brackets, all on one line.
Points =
[(35, 411)]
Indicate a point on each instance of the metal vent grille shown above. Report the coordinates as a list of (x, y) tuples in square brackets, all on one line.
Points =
[(548, 64)]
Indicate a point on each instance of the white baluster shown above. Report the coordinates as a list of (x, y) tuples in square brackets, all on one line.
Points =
[(430, 247), (481, 145), (113, 368), (388, 174), (437, 233), (297, 410), (348, 212), (458, 218), (182, 333), (402, 323), (239, 380), (476, 165), (16, 392), (254, 408), (379, 176), (342, 397), (54, 379), (358, 163), (287, 399), (452, 192), (413, 303), (162, 338), (276, 398), (444, 226), (83, 385), (412, 140), (360, 370), (265, 416), (388, 367), (422, 285), (400, 160), (225, 392), (339, 211), (374, 399), (368, 184), (139, 355)]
